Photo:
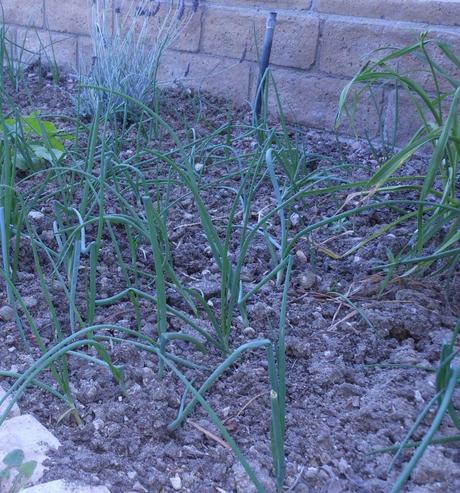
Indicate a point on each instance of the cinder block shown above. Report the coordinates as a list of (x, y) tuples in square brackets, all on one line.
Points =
[(312, 100), (346, 46), (220, 76), (67, 16), (402, 117), (24, 13), (269, 4), (51, 47), (442, 12), (85, 54), (187, 30), (232, 33)]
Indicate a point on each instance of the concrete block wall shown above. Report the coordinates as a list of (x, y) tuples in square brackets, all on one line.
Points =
[(318, 45)]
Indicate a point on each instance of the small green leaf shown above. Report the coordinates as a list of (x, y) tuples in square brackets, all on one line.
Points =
[(43, 153), (28, 468), (21, 163), (14, 458)]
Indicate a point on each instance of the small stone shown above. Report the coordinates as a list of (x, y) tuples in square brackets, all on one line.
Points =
[(30, 301), (36, 216), (311, 472), (176, 482), (199, 167), (418, 396), (6, 313), (249, 331), (343, 465), (138, 487), (48, 235), (98, 424), (329, 355), (149, 329), (301, 255), (148, 375), (295, 218), (308, 279)]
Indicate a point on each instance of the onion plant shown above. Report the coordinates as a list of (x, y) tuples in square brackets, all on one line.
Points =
[(107, 200), (80, 189), (437, 227)]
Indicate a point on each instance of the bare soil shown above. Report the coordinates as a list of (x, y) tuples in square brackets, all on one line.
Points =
[(344, 397)]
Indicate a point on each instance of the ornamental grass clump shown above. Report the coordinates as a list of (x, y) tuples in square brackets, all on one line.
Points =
[(127, 48)]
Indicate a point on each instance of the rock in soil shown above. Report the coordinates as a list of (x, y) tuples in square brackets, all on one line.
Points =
[(60, 486), (6, 313), (29, 435)]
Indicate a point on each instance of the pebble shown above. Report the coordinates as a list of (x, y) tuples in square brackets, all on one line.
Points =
[(61, 486), (343, 465), (6, 313), (98, 424), (301, 255), (30, 301), (308, 279), (149, 329), (36, 216), (249, 331), (295, 218), (48, 235), (138, 487), (176, 482), (311, 472)]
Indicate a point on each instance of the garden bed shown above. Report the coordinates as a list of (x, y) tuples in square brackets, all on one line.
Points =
[(357, 362)]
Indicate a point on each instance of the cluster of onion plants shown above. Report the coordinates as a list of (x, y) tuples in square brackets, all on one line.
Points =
[(101, 198), (434, 244), (426, 74), (79, 183)]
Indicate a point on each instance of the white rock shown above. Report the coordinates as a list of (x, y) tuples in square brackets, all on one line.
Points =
[(61, 486), (249, 331), (14, 411), (176, 482), (6, 313), (308, 279), (301, 255), (30, 301), (295, 218), (35, 216), (27, 434)]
